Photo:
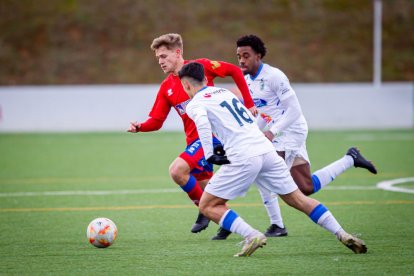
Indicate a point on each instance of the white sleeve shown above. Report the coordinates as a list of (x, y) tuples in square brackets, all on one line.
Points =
[(199, 115), (292, 112)]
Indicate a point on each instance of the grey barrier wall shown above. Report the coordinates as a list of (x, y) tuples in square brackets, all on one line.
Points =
[(88, 108)]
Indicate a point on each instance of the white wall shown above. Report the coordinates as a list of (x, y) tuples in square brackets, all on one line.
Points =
[(356, 106), (112, 107), (77, 108)]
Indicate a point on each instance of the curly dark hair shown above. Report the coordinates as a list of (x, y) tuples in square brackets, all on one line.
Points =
[(253, 41)]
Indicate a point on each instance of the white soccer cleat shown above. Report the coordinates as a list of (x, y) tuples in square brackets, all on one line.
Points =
[(353, 243), (251, 244)]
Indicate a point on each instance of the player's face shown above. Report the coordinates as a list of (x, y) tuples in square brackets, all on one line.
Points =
[(249, 60), (168, 59)]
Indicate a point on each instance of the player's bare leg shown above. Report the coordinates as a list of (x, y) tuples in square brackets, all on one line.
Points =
[(309, 183), (213, 207), (180, 173), (301, 174)]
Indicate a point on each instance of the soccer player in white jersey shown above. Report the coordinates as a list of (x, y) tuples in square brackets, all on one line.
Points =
[(249, 157), (283, 123)]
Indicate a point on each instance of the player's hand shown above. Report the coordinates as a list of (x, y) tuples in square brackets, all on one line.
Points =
[(134, 127), (219, 150), (254, 111), (218, 160), (269, 135)]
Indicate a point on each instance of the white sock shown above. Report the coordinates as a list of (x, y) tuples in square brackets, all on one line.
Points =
[(271, 202), (326, 175), (329, 222), (232, 222), (323, 217)]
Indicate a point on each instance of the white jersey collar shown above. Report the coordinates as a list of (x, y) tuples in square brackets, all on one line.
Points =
[(258, 72)]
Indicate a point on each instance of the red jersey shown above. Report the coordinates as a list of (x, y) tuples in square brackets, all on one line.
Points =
[(172, 94)]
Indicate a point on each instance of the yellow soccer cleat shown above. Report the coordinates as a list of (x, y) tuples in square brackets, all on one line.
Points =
[(251, 244), (353, 243)]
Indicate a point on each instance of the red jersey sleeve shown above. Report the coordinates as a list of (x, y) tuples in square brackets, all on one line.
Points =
[(224, 69), (158, 114)]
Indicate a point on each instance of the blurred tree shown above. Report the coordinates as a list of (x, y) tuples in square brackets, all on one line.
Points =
[(103, 41)]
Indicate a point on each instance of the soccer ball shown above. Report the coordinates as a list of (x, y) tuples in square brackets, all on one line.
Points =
[(101, 232)]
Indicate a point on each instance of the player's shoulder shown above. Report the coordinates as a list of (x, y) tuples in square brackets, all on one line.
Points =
[(194, 104), (209, 65), (168, 80), (274, 73), (275, 70), (168, 84), (203, 61)]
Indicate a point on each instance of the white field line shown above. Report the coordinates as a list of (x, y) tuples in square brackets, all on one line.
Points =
[(141, 191), (388, 185)]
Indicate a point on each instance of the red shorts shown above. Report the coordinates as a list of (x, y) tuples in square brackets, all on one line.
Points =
[(194, 156)]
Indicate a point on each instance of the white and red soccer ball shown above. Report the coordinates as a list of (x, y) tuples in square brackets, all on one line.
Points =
[(101, 232)]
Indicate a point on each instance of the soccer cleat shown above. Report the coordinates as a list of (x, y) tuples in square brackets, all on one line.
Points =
[(353, 243), (360, 161), (275, 231), (200, 224), (222, 234), (251, 244)]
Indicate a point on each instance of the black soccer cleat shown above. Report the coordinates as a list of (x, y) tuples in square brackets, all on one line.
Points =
[(360, 161), (275, 231), (222, 234), (200, 224)]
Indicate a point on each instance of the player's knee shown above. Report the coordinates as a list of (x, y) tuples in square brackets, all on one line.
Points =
[(302, 176), (179, 171), (305, 186), (177, 174)]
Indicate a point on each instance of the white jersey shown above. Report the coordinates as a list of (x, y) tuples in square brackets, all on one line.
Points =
[(230, 121), (269, 87)]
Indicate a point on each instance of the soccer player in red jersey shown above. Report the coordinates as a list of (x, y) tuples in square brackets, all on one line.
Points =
[(189, 170)]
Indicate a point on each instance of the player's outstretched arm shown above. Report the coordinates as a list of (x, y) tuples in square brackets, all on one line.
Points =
[(149, 125)]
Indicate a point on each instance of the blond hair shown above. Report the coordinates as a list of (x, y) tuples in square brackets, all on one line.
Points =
[(171, 41)]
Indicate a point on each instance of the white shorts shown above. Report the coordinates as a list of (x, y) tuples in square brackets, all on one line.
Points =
[(268, 171), (294, 146)]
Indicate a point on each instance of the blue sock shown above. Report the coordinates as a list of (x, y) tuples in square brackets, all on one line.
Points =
[(316, 183), (228, 219), (193, 190), (321, 216), (327, 174), (318, 212), (190, 184)]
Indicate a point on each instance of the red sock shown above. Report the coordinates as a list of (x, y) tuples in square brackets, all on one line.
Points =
[(193, 190)]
